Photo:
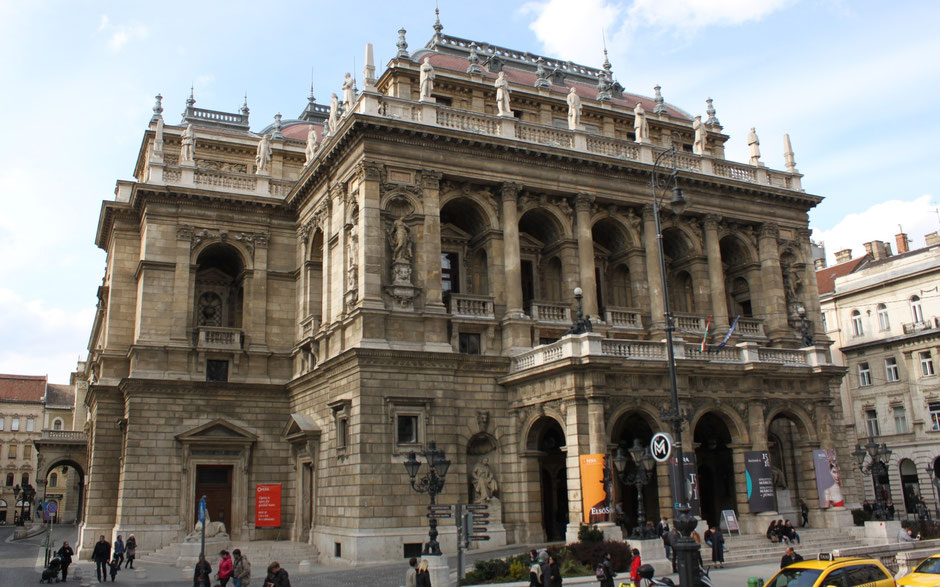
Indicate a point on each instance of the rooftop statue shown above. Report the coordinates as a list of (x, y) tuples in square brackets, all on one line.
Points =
[(502, 95), (640, 126), (698, 146), (334, 113), (574, 109), (427, 79), (311, 148), (754, 145), (349, 92), (187, 145), (263, 156)]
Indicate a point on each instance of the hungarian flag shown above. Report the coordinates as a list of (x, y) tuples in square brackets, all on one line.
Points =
[(708, 326)]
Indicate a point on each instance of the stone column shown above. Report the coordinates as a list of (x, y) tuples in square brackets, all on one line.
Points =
[(257, 303), (322, 219), (182, 292), (586, 254), (653, 271), (431, 249), (716, 275), (372, 265), (597, 426), (773, 298), (509, 192), (810, 288), (303, 280)]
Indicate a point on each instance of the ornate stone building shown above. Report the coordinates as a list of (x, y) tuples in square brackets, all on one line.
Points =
[(306, 305)]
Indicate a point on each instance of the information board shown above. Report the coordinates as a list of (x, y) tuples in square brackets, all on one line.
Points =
[(268, 505), (731, 521)]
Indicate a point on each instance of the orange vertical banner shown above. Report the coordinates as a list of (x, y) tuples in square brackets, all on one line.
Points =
[(596, 488), (268, 505)]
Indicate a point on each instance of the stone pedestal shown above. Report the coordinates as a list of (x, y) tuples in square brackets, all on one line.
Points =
[(189, 551), (652, 552), (437, 567), (401, 289), (836, 518), (756, 523), (611, 531), (881, 532)]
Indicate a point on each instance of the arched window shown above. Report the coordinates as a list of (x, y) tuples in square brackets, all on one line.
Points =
[(883, 321), (620, 287), (553, 280), (917, 313), (9, 479), (25, 479), (54, 480), (219, 288), (857, 328), (57, 424)]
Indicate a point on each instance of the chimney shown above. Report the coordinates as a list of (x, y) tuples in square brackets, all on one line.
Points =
[(819, 263), (843, 255), (876, 249), (904, 245), (933, 238)]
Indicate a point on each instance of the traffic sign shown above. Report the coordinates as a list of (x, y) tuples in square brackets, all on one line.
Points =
[(439, 515), (202, 510), (475, 507), (49, 510), (661, 446), (474, 538), (440, 508)]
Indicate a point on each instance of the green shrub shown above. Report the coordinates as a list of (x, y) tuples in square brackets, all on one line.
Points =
[(859, 517), (927, 530), (572, 568), (592, 553), (518, 570), (590, 533)]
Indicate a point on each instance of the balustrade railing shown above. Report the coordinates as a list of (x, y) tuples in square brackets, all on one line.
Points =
[(64, 435), (213, 337), (689, 323), (613, 147), (750, 327), (551, 312), (725, 354), (309, 325), (735, 171), (623, 318), (221, 179), (782, 356), (545, 135), (463, 120), (634, 349), (470, 305)]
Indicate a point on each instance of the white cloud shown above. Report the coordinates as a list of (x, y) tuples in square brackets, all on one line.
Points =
[(882, 221), (572, 28), (694, 14), (120, 35), (104, 23)]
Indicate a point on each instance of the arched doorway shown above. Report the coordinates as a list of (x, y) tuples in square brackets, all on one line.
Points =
[(64, 483), (782, 438), (3, 511), (629, 428), (548, 439), (910, 485), (715, 467)]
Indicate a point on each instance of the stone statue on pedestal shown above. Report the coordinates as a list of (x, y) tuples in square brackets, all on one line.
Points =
[(698, 146), (334, 113), (484, 482), (641, 127), (349, 92), (754, 145), (502, 95), (311, 148), (574, 109), (263, 156), (427, 80), (399, 238), (188, 145)]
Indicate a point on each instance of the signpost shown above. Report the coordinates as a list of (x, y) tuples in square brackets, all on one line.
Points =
[(49, 511), (661, 446), (471, 527), (202, 520), (731, 520)]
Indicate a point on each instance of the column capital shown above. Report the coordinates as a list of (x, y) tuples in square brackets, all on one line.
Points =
[(510, 190), (769, 230), (711, 221), (804, 234), (647, 212), (429, 179), (583, 201), (369, 171)]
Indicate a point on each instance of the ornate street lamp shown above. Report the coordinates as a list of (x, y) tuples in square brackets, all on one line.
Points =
[(686, 547), (873, 458), (431, 483), (639, 475), (580, 324), (24, 495)]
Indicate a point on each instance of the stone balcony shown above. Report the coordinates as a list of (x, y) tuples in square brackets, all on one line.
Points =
[(551, 312), (220, 339), (63, 437), (591, 346), (470, 306), (928, 324)]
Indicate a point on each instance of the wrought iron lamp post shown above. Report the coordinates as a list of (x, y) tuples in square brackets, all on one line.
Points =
[(431, 483), (639, 476), (580, 324), (25, 496), (873, 458), (686, 548)]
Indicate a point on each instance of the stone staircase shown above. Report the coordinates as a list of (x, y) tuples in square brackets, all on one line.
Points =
[(260, 553), (751, 549)]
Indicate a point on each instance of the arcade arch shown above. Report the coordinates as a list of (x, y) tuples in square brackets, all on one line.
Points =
[(546, 441), (629, 427), (219, 287), (714, 466)]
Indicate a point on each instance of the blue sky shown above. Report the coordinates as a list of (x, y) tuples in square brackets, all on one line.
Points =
[(855, 84)]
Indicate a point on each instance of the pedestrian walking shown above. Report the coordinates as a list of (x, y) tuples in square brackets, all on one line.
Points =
[(423, 576), (118, 550), (202, 572), (65, 555), (411, 573), (544, 567), (241, 569), (605, 572), (130, 551), (718, 548), (225, 568), (277, 577), (115, 566), (554, 577), (101, 554), (635, 567)]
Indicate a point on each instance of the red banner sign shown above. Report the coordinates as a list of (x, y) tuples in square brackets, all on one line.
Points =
[(268, 506)]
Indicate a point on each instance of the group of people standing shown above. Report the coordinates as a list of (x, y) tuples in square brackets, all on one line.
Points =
[(417, 574), (713, 539), (237, 568), (107, 561)]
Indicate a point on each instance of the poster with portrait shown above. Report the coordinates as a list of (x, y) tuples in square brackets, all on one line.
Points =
[(691, 481), (597, 488), (828, 479), (760, 481)]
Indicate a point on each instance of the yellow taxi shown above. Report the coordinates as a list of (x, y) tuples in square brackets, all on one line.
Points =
[(926, 574), (827, 571)]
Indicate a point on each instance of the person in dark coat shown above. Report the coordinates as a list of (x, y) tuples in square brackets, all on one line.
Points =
[(672, 537), (118, 550), (202, 572), (609, 574), (554, 578), (804, 513), (545, 567), (789, 557), (278, 576), (114, 566), (65, 554), (130, 550), (423, 577), (102, 556), (718, 548)]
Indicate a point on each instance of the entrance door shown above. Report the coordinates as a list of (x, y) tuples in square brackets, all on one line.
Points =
[(307, 500), (528, 286), (215, 482)]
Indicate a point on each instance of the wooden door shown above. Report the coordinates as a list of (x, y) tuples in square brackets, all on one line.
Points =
[(215, 482)]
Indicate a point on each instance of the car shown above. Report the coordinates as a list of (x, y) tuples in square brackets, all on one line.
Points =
[(828, 571), (926, 574)]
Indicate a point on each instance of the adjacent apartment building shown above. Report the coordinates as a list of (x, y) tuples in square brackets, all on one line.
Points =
[(882, 311), (21, 418)]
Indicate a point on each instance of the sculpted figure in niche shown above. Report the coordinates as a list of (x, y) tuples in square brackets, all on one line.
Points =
[(188, 145), (574, 109), (263, 155), (698, 146), (399, 238), (502, 95), (334, 113), (641, 127), (349, 92), (311, 143), (484, 482), (427, 79), (754, 145)]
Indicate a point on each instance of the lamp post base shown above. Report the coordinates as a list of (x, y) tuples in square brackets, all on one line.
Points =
[(438, 569)]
